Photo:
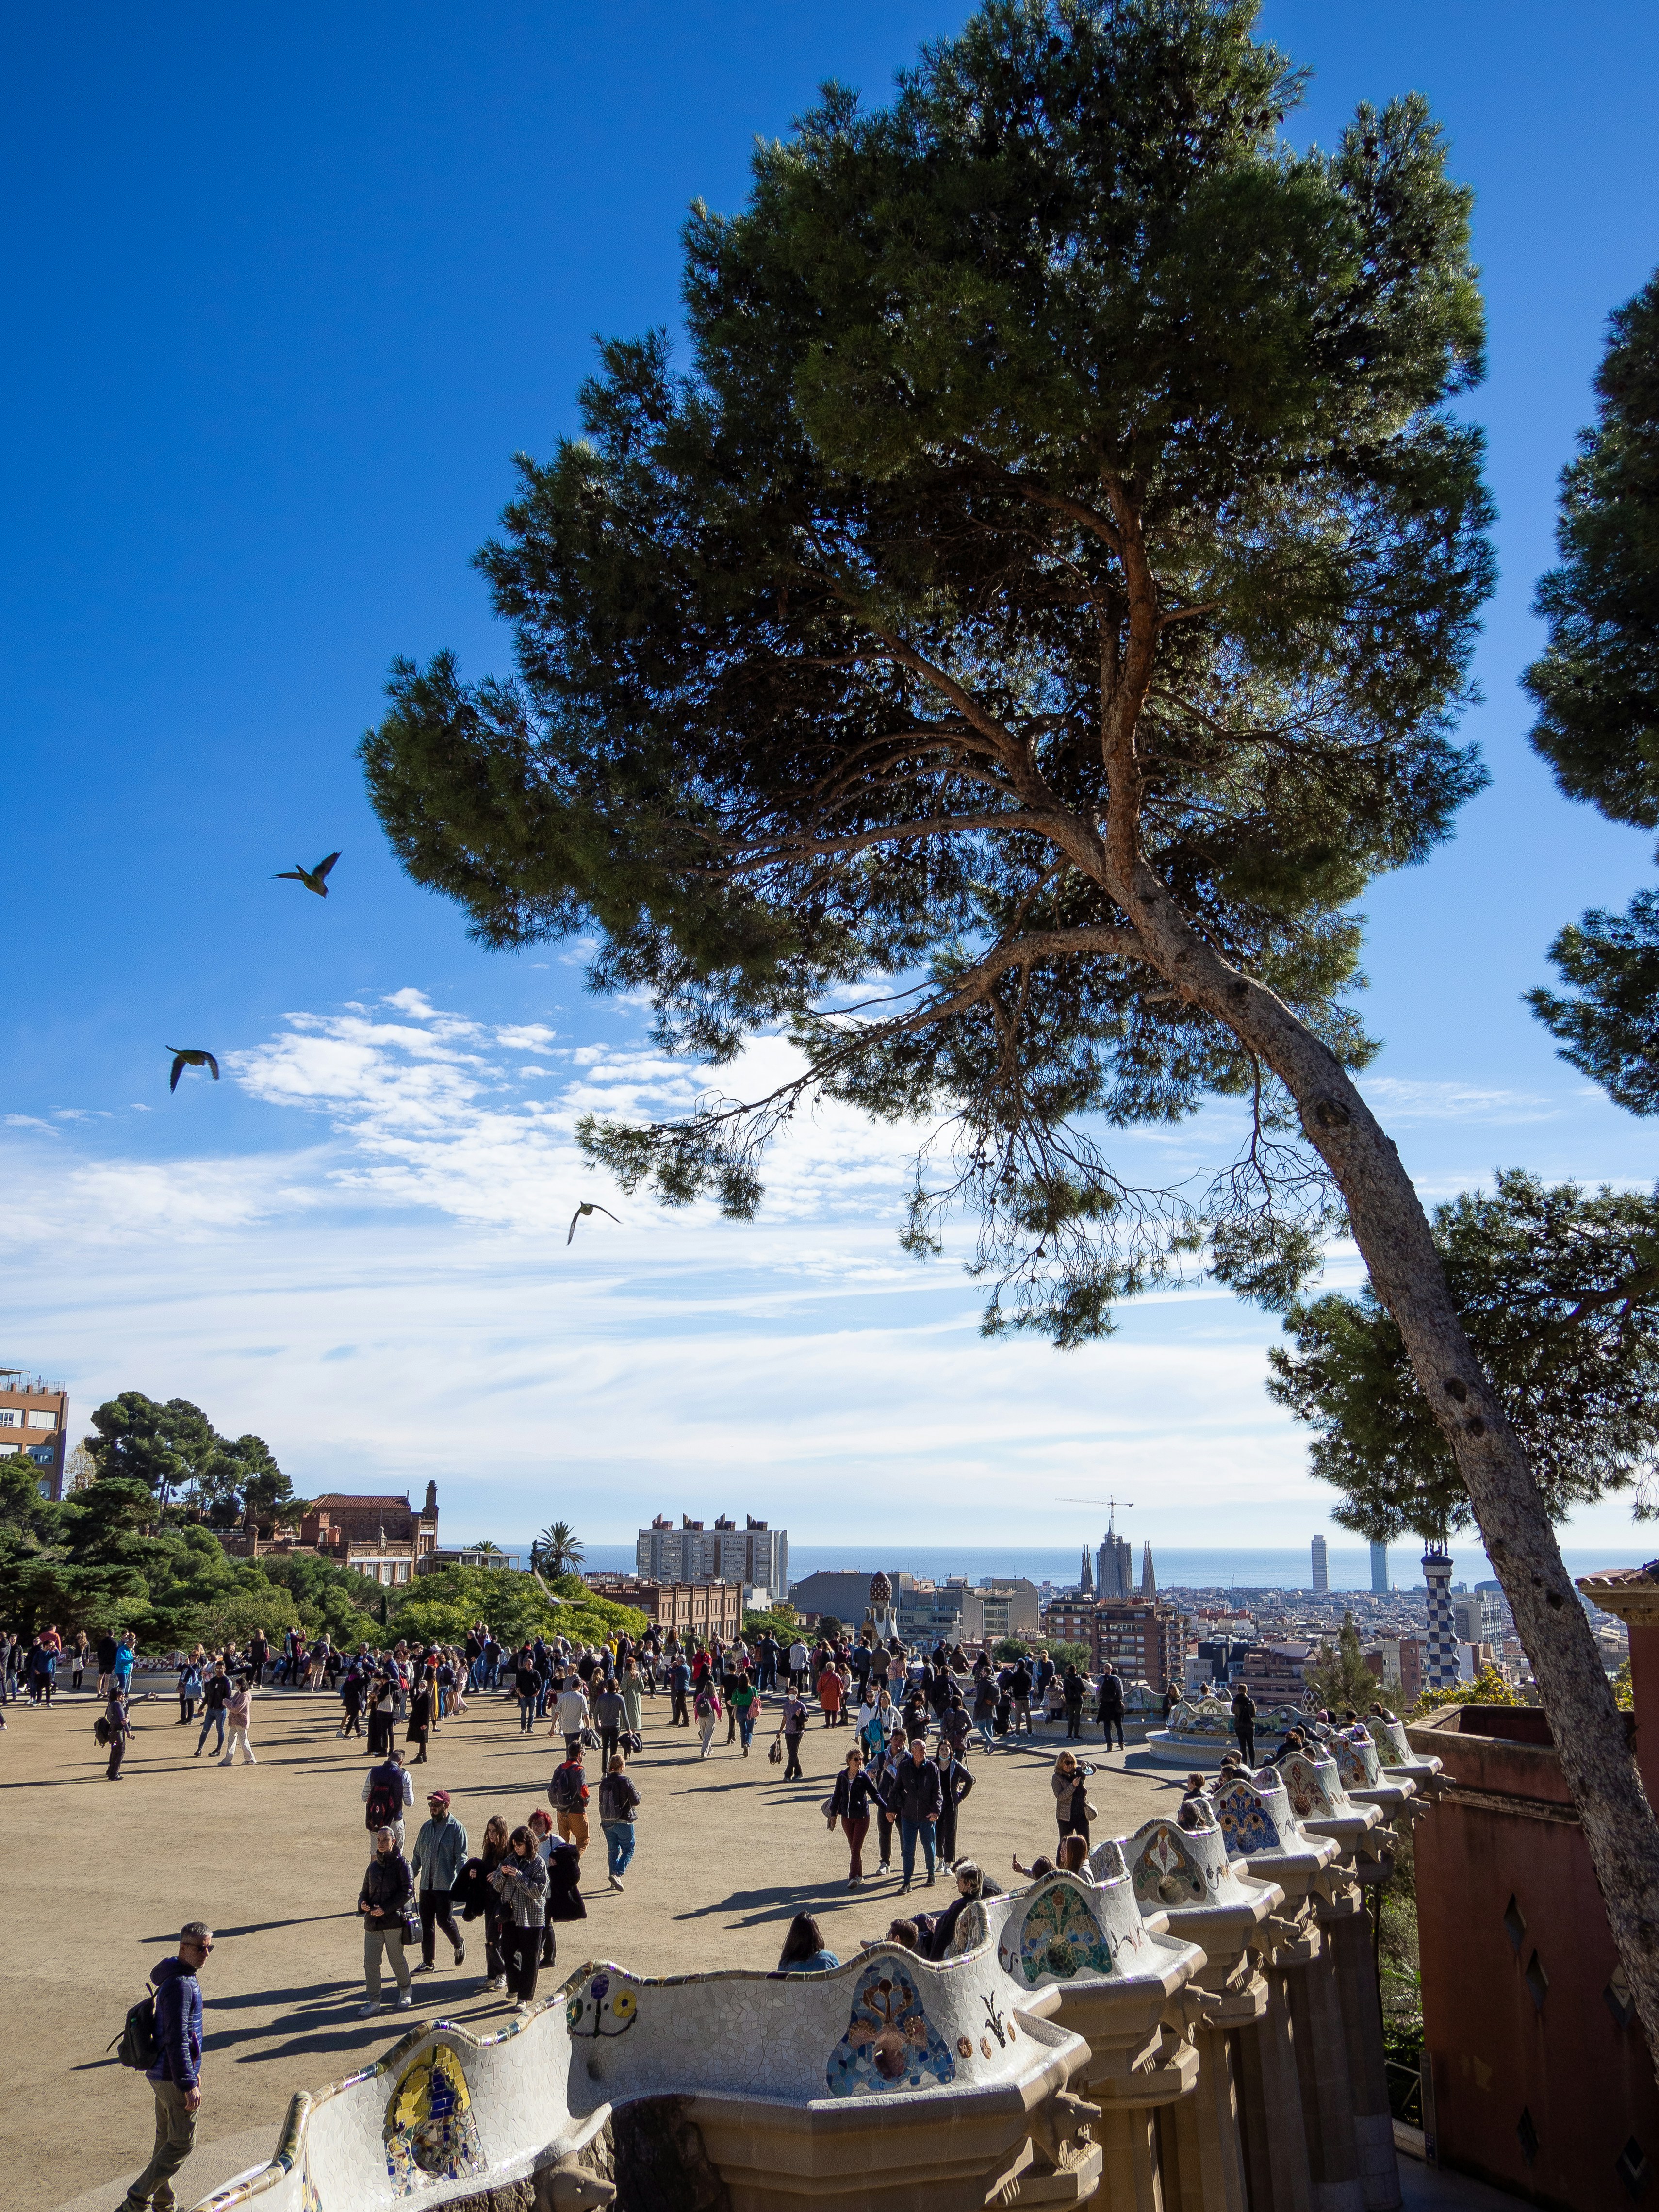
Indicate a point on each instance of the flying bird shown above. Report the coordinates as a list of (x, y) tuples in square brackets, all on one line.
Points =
[(192, 1058), (314, 879), (590, 1206)]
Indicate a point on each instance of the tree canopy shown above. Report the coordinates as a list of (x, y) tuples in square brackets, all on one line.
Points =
[(997, 650), (1597, 687), (1060, 399), (176, 1452), (1559, 1290)]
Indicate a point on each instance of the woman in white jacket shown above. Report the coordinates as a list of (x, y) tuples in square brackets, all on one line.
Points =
[(239, 1719)]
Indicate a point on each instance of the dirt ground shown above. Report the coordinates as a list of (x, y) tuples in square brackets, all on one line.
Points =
[(271, 1856)]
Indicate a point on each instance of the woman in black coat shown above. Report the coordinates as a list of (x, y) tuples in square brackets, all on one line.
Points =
[(956, 1782), (420, 1719), (564, 1868)]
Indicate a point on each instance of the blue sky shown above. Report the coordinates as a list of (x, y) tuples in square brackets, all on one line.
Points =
[(287, 292)]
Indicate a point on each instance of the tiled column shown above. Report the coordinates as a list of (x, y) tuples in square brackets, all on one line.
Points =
[(1440, 1667)]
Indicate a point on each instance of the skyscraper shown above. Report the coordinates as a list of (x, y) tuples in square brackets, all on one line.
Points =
[(1148, 1579), (1379, 1570), (1321, 1568), (1087, 1584)]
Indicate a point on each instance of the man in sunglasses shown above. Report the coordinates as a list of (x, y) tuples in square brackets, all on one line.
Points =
[(176, 2075)]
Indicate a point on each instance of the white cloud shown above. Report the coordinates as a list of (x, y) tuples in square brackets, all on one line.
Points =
[(1402, 1099)]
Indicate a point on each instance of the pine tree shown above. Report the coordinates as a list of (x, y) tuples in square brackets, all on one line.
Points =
[(997, 656)]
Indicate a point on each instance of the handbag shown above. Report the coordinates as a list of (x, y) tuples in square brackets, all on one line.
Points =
[(631, 1743), (775, 1756), (590, 1741), (828, 1808)]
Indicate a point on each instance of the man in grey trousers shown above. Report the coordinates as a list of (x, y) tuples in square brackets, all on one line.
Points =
[(176, 2075)]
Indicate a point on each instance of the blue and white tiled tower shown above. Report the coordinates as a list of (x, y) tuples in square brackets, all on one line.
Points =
[(1440, 1667)]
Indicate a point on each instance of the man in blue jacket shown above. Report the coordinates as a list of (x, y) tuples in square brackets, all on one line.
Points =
[(176, 2075)]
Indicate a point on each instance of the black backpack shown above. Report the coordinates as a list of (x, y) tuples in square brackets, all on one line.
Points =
[(385, 1807), (139, 2045)]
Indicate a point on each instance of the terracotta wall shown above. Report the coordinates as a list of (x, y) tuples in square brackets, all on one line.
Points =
[(1542, 2082)]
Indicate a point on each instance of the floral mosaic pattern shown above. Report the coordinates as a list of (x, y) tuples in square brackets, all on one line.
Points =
[(1356, 1759), (890, 2043), (1312, 1786), (606, 2006), (1245, 1824), (1060, 1938), (431, 2134), (1165, 1873), (972, 1928), (1389, 1738)]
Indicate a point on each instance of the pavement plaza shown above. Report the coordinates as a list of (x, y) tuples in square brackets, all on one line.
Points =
[(271, 1855)]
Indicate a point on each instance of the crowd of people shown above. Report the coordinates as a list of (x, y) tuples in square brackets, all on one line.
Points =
[(905, 1726)]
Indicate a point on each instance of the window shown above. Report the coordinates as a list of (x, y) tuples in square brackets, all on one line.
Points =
[(7, 1416), (37, 1420)]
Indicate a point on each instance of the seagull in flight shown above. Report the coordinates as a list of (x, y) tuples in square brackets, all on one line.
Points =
[(590, 1206), (192, 1057), (314, 879)]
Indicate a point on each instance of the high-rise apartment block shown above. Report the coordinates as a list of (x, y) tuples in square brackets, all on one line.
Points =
[(753, 1556), (1146, 1641), (1322, 1567), (1379, 1570), (35, 1418)]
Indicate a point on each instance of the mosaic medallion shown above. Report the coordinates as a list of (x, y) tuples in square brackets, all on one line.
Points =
[(607, 2006), (1164, 1871), (1060, 1938), (890, 2043), (430, 2132), (1245, 1822)]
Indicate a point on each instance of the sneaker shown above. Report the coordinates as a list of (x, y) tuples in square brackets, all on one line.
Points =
[(904, 1889), (460, 1950), (616, 1881), (521, 2006), (883, 1868), (405, 1998), (928, 1884), (499, 1982), (426, 1966), (368, 2011), (226, 1762)]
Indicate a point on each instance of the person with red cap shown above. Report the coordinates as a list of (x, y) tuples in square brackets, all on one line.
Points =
[(439, 1854)]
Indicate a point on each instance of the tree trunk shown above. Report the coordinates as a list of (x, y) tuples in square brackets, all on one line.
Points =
[(1392, 1234)]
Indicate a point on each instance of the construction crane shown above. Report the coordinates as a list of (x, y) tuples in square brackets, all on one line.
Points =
[(1110, 1503)]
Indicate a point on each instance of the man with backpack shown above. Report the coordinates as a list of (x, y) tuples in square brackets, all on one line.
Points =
[(387, 1790), (566, 1793), (171, 2027)]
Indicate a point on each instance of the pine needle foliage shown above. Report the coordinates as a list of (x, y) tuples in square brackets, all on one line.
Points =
[(1558, 1290), (826, 622), (1597, 687)]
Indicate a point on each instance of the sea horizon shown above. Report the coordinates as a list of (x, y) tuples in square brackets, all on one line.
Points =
[(1278, 1567)]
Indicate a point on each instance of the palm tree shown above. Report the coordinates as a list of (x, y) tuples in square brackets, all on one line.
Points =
[(556, 1551)]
